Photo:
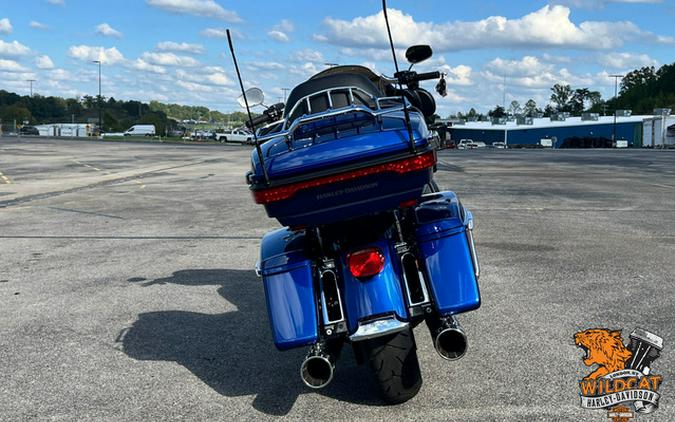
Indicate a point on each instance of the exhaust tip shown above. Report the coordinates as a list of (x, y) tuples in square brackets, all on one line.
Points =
[(451, 344), (316, 372)]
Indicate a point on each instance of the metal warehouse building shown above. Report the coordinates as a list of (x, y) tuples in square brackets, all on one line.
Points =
[(587, 131)]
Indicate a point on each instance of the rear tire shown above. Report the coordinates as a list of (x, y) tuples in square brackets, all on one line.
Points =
[(393, 363)]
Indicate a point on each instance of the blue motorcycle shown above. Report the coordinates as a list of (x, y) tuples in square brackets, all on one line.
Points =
[(370, 247)]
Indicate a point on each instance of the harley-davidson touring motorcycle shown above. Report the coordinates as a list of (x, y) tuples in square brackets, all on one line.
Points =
[(369, 247)]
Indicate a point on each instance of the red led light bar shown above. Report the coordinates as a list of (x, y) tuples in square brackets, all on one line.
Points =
[(406, 165)]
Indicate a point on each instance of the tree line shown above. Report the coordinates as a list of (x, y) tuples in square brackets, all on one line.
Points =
[(117, 115), (642, 91)]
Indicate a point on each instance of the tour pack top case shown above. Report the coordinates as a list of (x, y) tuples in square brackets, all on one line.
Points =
[(342, 151)]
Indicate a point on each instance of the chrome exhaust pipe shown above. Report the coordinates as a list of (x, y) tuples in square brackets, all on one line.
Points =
[(449, 338), (318, 367)]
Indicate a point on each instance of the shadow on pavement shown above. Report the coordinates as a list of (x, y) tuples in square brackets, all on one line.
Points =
[(233, 352)]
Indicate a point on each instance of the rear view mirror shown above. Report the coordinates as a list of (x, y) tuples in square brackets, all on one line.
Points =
[(418, 53), (254, 96)]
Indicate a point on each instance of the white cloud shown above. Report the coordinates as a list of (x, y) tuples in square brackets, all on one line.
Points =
[(215, 32), (60, 75), (278, 36), (142, 65), (212, 75), (549, 26), (207, 8), (265, 66), (11, 66), (458, 75), (531, 73), (626, 60), (5, 26), (169, 59), (193, 87), (56, 2), (108, 31), (182, 47), (599, 4), (285, 25), (279, 32), (309, 55), (105, 55), (38, 25), (44, 62), (13, 48)]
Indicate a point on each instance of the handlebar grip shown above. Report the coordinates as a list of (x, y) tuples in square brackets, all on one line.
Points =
[(428, 75), (257, 121)]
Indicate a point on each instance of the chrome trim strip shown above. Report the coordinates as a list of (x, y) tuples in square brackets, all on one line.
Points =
[(377, 328), (468, 223)]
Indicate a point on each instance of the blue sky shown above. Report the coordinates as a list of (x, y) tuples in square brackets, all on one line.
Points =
[(174, 50)]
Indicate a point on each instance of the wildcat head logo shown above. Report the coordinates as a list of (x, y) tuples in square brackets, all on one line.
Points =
[(604, 348), (623, 376)]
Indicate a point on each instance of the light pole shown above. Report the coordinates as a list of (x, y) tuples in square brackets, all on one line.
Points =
[(100, 121), (616, 95), (31, 86)]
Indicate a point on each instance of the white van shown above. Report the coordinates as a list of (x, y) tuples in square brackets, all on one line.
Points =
[(140, 130)]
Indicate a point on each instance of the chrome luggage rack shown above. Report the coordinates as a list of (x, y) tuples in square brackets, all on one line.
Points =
[(383, 105)]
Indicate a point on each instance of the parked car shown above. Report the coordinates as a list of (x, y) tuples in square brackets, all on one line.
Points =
[(203, 135), (140, 130), (464, 143), (29, 130), (236, 135), (476, 145), (499, 145)]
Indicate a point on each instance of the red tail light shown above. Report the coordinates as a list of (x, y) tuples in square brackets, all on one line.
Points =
[(407, 165), (365, 263)]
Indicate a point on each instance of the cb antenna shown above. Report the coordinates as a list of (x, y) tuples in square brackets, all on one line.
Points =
[(397, 75), (248, 109)]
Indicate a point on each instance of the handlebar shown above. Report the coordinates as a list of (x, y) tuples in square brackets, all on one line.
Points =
[(411, 78), (257, 121), (273, 113)]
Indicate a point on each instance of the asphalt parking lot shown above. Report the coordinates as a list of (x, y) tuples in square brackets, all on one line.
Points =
[(127, 287)]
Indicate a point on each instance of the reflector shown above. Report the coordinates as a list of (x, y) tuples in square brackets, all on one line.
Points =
[(365, 263)]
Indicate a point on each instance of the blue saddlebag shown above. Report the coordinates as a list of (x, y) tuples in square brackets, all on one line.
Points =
[(447, 252), (289, 289)]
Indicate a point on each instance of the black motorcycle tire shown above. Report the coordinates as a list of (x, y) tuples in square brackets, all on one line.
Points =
[(393, 363)]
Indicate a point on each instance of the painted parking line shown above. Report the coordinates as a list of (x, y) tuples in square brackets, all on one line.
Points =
[(87, 165), (5, 179)]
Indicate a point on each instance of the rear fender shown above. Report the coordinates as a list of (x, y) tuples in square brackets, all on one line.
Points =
[(374, 297)]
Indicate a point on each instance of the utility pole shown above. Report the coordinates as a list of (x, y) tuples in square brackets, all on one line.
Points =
[(100, 121), (31, 86), (504, 98), (616, 96), (285, 90)]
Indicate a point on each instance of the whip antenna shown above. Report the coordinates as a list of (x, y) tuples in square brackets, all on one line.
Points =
[(248, 109), (397, 75)]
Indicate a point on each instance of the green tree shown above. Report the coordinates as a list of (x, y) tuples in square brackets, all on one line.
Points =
[(561, 96), (531, 109), (498, 112)]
